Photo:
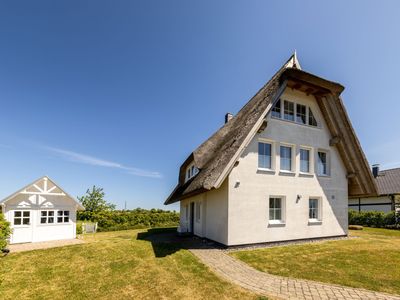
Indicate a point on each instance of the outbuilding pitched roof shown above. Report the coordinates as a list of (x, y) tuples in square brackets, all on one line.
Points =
[(217, 155), (388, 182)]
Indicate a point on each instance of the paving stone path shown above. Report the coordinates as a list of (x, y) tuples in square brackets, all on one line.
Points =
[(276, 286)]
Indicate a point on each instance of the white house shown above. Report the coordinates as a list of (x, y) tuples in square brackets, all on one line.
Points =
[(41, 211), (388, 198), (281, 169)]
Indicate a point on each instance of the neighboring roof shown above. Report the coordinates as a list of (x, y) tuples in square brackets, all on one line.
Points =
[(80, 207), (388, 182), (217, 155)]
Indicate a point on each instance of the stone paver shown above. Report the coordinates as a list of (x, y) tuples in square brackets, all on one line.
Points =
[(276, 286), (42, 245)]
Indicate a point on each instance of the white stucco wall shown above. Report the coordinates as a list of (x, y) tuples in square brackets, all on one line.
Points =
[(213, 223), (248, 202), (36, 232), (383, 201)]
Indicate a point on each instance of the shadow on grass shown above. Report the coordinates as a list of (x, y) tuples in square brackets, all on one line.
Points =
[(166, 241)]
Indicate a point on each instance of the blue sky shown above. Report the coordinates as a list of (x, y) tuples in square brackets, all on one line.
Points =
[(118, 93)]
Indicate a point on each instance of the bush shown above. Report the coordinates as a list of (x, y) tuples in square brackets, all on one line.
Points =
[(373, 219), (356, 227), (130, 219), (79, 229), (5, 231)]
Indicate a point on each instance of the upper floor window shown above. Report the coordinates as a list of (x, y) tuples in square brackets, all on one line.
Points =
[(22, 217), (191, 171), (286, 158), (294, 112), (288, 110), (264, 155), (311, 119), (301, 114), (322, 162), (276, 110), (305, 160)]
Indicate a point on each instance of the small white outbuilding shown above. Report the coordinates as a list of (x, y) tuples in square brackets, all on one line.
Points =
[(41, 211)]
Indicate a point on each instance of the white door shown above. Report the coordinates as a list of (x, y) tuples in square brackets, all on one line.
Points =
[(21, 223)]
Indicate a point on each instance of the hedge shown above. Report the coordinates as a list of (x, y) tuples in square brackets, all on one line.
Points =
[(131, 219), (374, 219), (5, 231)]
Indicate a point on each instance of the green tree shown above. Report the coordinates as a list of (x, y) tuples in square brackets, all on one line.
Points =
[(94, 201), (5, 231)]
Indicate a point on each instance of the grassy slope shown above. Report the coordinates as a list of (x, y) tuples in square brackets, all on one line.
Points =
[(371, 261), (112, 265)]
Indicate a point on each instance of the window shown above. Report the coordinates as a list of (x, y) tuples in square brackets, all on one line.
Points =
[(322, 163), (276, 209), (313, 209), (264, 155), (63, 216), (304, 160), (276, 110), (191, 171), (198, 211), (22, 217), (47, 217), (301, 114), (288, 111), (311, 119), (286, 158)]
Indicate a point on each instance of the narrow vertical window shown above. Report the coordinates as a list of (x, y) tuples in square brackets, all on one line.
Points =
[(311, 119), (276, 111), (264, 156), (322, 163), (286, 158), (313, 209), (198, 211), (304, 160), (275, 209), (288, 111), (301, 114)]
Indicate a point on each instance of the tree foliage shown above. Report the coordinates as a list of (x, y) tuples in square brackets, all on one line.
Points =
[(94, 201), (5, 231), (374, 219)]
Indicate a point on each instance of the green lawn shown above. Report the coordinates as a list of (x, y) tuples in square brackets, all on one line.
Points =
[(371, 261), (112, 265)]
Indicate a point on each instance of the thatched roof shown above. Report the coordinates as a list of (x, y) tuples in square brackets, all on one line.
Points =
[(217, 155), (388, 182)]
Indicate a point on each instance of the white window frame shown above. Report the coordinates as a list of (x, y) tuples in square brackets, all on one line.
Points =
[(328, 165), (310, 160), (190, 172), (283, 210), (295, 103), (197, 210), (63, 216), (47, 216), (292, 158), (22, 217), (273, 154), (319, 210)]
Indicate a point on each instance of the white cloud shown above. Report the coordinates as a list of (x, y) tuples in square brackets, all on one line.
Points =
[(94, 161)]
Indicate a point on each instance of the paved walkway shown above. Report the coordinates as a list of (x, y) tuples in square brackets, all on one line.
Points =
[(42, 245), (276, 286)]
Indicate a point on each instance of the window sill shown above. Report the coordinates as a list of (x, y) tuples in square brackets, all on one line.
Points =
[(324, 176), (309, 175), (314, 222), (53, 224), (21, 226), (286, 173), (276, 224), (265, 171)]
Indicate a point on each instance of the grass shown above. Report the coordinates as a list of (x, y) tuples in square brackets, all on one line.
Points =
[(111, 265), (371, 261)]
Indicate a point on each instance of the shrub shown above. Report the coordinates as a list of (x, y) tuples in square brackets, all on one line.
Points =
[(373, 219), (5, 231), (130, 219), (79, 229), (356, 227)]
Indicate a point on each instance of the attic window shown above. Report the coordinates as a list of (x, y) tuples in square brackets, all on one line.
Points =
[(294, 112), (191, 171), (276, 111), (311, 119)]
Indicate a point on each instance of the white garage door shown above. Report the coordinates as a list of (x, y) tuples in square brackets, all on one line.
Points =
[(22, 226)]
